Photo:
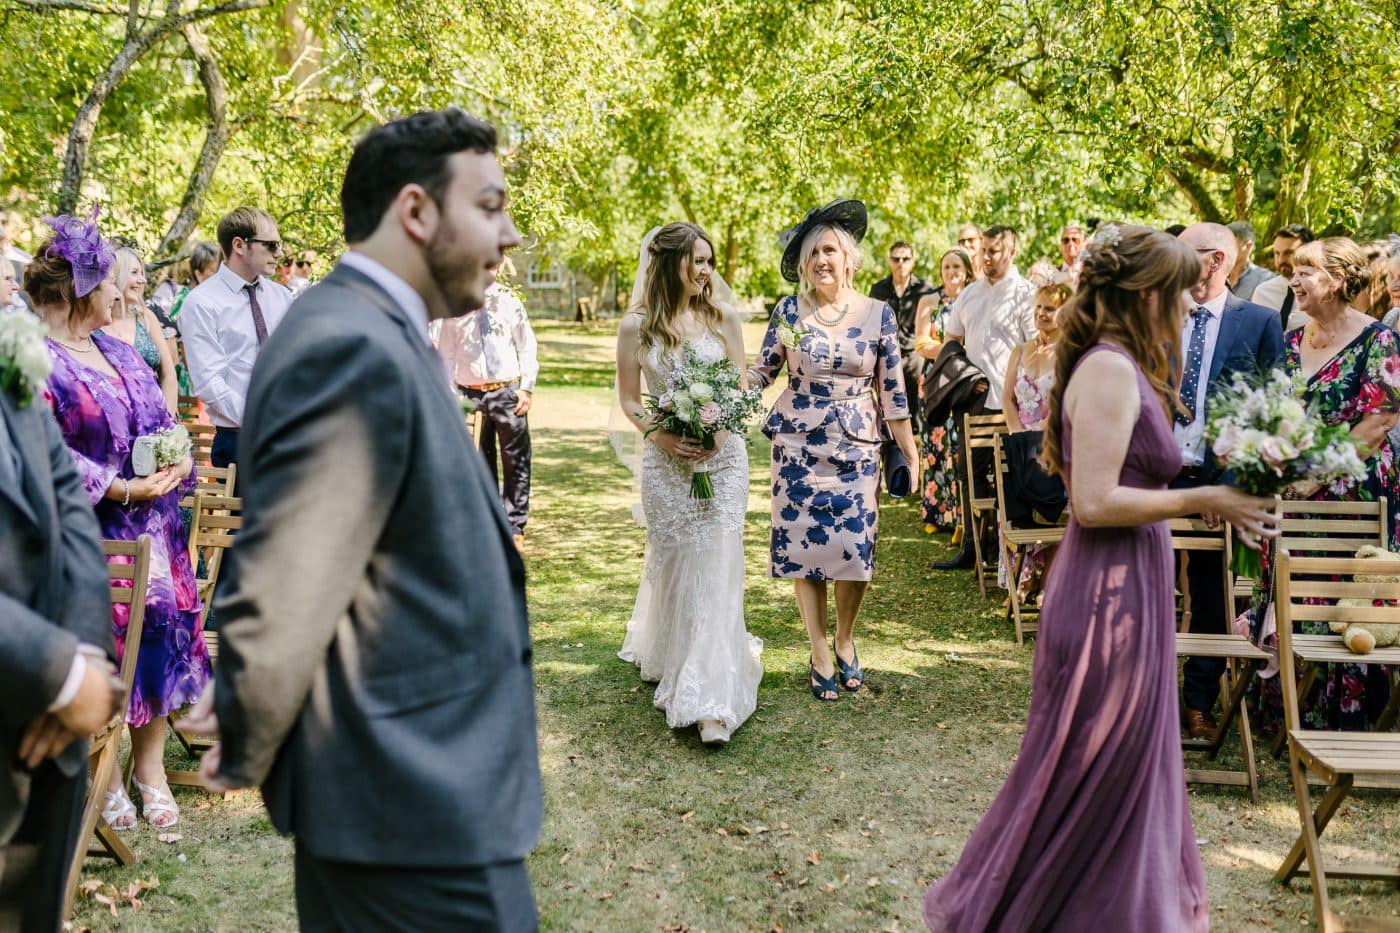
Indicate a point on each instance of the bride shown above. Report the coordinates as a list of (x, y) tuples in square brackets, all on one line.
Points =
[(687, 629)]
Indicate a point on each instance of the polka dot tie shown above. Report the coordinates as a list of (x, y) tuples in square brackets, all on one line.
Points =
[(1191, 373)]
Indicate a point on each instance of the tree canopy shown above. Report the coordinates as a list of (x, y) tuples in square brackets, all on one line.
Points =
[(737, 114)]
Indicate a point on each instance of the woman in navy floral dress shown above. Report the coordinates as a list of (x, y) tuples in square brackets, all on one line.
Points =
[(104, 395), (1351, 365), (839, 347)]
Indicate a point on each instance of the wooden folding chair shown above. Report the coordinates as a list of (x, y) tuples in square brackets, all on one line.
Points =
[(211, 479), (187, 409), (1329, 529), (216, 521), (1339, 759), (980, 433), (1196, 540), (129, 584), (201, 443), (1015, 541)]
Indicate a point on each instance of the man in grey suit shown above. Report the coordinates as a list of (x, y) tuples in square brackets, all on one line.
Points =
[(57, 683), (374, 672)]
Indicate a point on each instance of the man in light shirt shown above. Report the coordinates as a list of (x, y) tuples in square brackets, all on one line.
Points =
[(225, 319), (1222, 336), (993, 316), (492, 358), (1276, 292)]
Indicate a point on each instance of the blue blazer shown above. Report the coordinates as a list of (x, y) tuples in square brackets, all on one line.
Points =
[(1250, 340)]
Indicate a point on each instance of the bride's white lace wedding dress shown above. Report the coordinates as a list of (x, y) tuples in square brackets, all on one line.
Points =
[(687, 629)]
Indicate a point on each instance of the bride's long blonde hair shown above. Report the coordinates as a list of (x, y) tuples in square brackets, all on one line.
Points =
[(663, 295)]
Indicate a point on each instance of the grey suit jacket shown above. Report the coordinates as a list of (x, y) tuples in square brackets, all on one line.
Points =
[(1250, 341), (374, 672), (53, 589), (1249, 280)]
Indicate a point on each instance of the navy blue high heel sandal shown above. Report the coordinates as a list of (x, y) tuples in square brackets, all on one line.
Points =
[(823, 685), (850, 671)]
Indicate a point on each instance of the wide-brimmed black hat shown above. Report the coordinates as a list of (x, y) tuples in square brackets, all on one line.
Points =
[(847, 212)]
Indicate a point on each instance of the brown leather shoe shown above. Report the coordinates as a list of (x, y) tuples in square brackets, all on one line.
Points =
[(1200, 724)]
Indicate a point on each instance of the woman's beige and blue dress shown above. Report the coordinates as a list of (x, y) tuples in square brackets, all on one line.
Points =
[(826, 438)]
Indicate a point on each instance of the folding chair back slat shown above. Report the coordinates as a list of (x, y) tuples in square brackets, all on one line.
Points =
[(201, 443), (1017, 539), (1338, 758)]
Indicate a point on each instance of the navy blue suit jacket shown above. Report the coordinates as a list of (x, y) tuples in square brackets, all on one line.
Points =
[(1250, 340)]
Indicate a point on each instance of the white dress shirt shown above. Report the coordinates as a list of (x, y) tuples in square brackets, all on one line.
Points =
[(221, 343), (403, 294), (1191, 438), (993, 320), (499, 347)]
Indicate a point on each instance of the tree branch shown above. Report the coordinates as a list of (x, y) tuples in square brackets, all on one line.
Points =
[(79, 6), (1197, 193), (216, 139)]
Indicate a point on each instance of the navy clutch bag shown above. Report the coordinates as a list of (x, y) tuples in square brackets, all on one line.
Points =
[(899, 475)]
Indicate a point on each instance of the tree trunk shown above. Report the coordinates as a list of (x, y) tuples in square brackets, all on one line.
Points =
[(296, 52), (731, 253), (1198, 194), (216, 139)]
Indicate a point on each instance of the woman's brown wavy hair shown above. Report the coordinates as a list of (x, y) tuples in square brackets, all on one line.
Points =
[(1112, 302), (664, 293)]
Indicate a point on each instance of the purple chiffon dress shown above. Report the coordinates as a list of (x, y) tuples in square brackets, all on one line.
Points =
[(100, 415), (1092, 830)]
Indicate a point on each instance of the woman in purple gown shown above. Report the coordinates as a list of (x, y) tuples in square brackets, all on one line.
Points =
[(1092, 828), (104, 395)]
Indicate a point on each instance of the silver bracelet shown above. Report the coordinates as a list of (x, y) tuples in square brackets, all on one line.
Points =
[(126, 492)]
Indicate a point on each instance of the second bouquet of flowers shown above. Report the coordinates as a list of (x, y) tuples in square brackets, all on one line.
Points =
[(1268, 440), (700, 400)]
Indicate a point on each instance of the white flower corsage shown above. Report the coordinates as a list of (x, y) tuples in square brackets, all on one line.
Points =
[(24, 358)]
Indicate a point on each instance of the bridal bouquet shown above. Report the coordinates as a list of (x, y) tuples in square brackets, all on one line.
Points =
[(699, 401), (1261, 432)]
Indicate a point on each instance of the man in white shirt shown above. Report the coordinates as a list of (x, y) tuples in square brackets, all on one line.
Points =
[(493, 361), (993, 316), (225, 319), (1276, 293), (1222, 336)]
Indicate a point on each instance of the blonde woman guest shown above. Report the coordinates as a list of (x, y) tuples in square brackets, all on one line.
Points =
[(1030, 376), (940, 505), (841, 350), (687, 631), (135, 324)]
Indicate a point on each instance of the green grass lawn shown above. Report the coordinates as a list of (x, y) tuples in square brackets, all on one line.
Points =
[(816, 816)]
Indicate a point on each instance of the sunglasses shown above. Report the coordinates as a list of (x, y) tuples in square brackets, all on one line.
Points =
[(1071, 239), (901, 259), (304, 263), (272, 245)]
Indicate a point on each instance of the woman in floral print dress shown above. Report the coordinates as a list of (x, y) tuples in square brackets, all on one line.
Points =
[(1351, 365), (838, 347), (940, 474)]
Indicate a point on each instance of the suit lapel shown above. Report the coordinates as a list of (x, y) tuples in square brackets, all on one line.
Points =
[(433, 370), (1229, 331), (20, 490)]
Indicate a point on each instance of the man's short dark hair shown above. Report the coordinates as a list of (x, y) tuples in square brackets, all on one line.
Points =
[(900, 244), (410, 151), (240, 223), (997, 231), (1295, 232), (1175, 230), (1243, 231)]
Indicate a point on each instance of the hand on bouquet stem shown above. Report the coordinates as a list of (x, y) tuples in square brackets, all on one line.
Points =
[(687, 449), (1253, 517), (706, 455)]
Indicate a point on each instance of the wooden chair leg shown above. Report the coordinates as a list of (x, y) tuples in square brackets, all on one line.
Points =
[(1313, 822), (92, 815), (978, 526), (1011, 584), (1280, 742)]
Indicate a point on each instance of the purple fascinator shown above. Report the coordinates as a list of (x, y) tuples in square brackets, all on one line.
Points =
[(79, 242)]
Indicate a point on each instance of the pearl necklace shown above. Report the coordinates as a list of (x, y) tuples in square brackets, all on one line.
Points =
[(68, 346), (817, 316)]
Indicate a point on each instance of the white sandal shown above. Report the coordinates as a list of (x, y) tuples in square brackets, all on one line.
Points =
[(713, 732), (160, 802), (116, 805)]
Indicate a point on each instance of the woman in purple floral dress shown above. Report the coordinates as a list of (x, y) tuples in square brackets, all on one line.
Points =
[(104, 396), (1351, 365)]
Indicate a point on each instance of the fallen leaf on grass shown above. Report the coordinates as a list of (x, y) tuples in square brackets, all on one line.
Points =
[(606, 895), (169, 837), (814, 857), (721, 832), (687, 815)]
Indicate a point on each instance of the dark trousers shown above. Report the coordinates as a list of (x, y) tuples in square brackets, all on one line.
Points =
[(346, 896), (983, 462), (52, 821), (913, 378), (504, 431), (224, 450), (1205, 581)]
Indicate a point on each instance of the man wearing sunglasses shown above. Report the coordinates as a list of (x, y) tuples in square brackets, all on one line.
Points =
[(226, 318), (902, 290)]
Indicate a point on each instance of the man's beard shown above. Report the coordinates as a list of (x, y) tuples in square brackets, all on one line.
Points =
[(454, 278)]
